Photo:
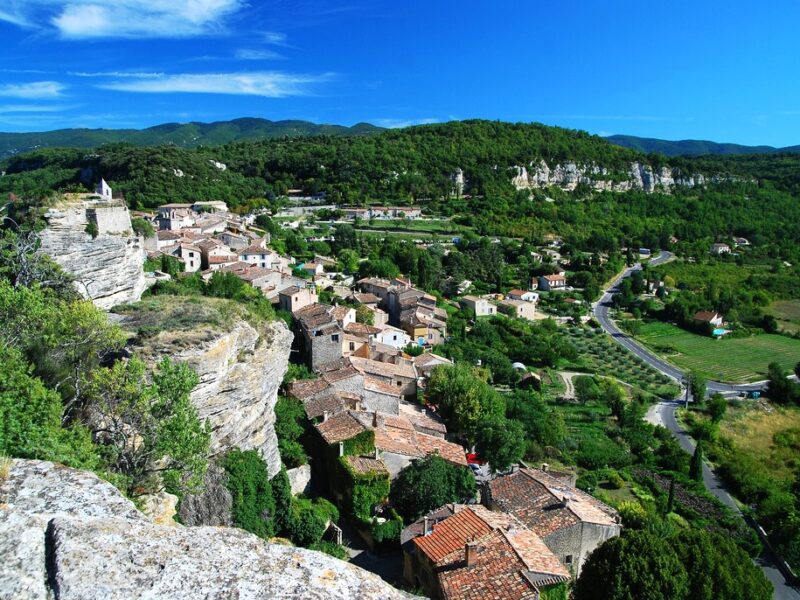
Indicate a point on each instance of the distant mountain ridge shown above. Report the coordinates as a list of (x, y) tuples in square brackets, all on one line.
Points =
[(186, 135), (693, 147)]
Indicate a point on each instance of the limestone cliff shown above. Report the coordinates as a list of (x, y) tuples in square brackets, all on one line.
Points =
[(240, 365), (107, 268), (636, 176), (68, 535)]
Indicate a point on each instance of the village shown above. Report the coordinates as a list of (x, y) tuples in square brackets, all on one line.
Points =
[(371, 351)]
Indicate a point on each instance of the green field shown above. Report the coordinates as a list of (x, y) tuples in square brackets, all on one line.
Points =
[(735, 360), (788, 314)]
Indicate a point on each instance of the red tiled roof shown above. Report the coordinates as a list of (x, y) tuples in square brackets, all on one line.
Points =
[(705, 315), (365, 464), (307, 388), (451, 534), (340, 427)]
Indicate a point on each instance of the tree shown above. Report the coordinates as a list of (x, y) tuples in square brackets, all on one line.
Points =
[(282, 496), (151, 431), (697, 385), (779, 388), (717, 407), (636, 565), (253, 503), (365, 314), (696, 465), (500, 441), (718, 568), (463, 398), (429, 483), (142, 227), (586, 389)]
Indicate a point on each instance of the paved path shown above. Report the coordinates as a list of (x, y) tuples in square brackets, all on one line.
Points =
[(663, 414)]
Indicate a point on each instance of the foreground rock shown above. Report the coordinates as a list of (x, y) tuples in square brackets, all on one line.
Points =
[(68, 535), (108, 268)]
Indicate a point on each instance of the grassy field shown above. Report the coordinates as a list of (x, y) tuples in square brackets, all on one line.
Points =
[(600, 354), (788, 314), (697, 275), (422, 226), (736, 360), (769, 434)]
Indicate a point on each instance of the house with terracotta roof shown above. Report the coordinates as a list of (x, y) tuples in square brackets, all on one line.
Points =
[(710, 317), (553, 282), (426, 362), (522, 295), (294, 298), (468, 552), (571, 522)]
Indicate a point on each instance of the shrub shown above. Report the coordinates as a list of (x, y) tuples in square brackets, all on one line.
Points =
[(253, 504)]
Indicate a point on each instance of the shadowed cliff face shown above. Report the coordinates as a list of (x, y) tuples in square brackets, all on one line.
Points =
[(66, 534), (108, 268)]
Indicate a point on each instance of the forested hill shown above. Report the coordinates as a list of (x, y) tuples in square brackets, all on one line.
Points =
[(187, 135), (393, 165), (692, 147)]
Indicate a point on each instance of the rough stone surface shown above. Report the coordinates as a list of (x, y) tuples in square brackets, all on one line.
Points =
[(213, 506), (68, 535), (107, 269), (240, 370), (300, 479), (637, 176), (34, 493), (160, 508)]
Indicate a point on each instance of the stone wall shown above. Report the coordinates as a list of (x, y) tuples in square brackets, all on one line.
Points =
[(300, 479), (69, 535), (107, 269), (578, 542)]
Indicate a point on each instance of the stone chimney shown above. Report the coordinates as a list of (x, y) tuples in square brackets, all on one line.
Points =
[(425, 526), (341, 448), (324, 416), (377, 453), (470, 553)]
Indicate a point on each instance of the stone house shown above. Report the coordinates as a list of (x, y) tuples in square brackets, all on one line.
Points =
[(571, 522), (426, 362), (392, 336), (294, 298), (720, 249), (518, 308), (460, 551), (258, 256), (553, 282), (480, 306), (318, 335)]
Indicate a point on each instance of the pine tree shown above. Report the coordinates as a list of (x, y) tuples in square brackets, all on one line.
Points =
[(696, 466), (671, 497)]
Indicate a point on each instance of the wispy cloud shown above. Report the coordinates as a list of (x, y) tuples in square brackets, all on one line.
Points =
[(256, 54), (81, 19), (32, 108), (269, 84), (276, 38), (399, 123), (32, 90), (116, 74)]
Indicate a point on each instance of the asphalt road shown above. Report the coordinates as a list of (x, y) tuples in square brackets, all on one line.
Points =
[(601, 313), (663, 414)]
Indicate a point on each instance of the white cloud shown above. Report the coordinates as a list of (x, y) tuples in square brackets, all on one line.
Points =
[(275, 38), (81, 19), (31, 108), (400, 123), (254, 54), (270, 84), (115, 74), (35, 89)]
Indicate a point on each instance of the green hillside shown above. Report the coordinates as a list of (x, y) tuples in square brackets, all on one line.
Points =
[(692, 147), (187, 135)]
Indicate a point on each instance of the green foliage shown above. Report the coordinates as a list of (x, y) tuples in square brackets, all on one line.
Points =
[(362, 444), (142, 227), (387, 532), (635, 565), (330, 548), (429, 483), (697, 385), (500, 441), (309, 520), (30, 419), (560, 591), (717, 407), (254, 507), (92, 230), (696, 466), (289, 416), (282, 496), (362, 491)]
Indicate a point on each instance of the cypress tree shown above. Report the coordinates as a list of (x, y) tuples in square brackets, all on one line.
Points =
[(696, 466)]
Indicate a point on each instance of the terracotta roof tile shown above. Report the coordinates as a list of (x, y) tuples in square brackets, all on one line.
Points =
[(306, 388), (340, 427), (365, 464)]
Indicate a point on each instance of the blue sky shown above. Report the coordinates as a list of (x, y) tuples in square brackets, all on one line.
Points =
[(707, 69)]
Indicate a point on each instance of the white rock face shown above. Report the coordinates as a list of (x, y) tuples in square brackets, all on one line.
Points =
[(107, 269), (569, 175), (67, 534), (240, 371)]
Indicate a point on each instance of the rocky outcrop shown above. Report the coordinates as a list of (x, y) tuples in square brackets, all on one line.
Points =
[(68, 535), (240, 366), (636, 176), (108, 268), (213, 505)]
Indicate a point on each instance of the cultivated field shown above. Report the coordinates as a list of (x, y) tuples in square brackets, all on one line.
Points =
[(788, 314), (735, 360)]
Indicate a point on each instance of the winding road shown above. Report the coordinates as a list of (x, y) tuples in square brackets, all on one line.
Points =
[(663, 414)]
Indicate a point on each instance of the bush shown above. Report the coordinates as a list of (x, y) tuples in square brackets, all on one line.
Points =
[(310, 520), (429, 483), (253, 504), (331, 549)]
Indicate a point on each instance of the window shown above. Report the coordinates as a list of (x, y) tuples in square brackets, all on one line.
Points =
[(335, 337), (352, 346), (394, 337), (399, 384), (191, 254), (568, 559)]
